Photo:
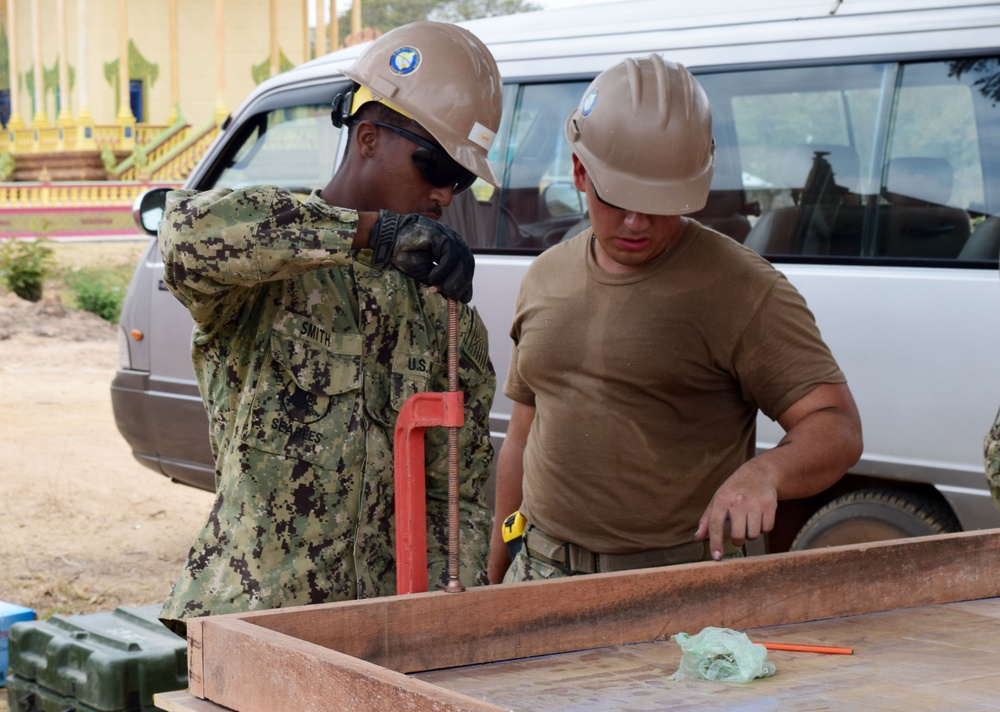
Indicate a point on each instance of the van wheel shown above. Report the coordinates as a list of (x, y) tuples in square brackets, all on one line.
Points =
[(876, 514)]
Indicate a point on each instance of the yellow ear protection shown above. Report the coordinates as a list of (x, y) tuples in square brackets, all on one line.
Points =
[(346, 104)]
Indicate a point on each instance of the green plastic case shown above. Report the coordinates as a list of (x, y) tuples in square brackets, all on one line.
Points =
[(102, 662), (10, 613)]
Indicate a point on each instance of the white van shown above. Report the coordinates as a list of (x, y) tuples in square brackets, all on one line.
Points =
[(858, 146)]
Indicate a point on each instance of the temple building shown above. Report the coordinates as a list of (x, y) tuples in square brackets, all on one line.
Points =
[(120, 90)]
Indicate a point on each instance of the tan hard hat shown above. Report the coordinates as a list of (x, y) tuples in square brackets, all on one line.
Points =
[(444, 78), (643, 131)]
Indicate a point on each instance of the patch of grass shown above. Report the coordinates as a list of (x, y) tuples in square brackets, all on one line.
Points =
[(93, 276)]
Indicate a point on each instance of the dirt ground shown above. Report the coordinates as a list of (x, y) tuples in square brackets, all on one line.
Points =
[(83, 526)]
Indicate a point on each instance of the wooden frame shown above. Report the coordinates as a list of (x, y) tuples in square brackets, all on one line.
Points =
[(358, 652)]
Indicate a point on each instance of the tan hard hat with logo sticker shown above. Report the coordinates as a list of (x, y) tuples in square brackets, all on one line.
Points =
[(444, 78), (643, 131)]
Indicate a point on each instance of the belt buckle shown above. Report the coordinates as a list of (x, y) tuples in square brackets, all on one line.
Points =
[(567, 565), (593, 560)]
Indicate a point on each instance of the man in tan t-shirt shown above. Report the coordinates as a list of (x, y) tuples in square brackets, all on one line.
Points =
[(644, 348)]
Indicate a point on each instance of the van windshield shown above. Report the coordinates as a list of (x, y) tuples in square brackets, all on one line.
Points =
[(294, 147)]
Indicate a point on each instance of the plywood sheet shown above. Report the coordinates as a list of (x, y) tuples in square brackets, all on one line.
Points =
[(931, 658), (944, 657)]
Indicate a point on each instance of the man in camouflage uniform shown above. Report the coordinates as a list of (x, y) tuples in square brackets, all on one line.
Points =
[(992, 456), (315, 323)]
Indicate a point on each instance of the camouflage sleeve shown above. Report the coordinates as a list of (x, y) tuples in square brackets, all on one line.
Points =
[(477, 380), (219, 243), (991, 452)]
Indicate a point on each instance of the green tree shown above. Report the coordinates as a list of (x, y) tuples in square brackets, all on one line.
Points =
[(986, 73), (384, 15), (459, 10)]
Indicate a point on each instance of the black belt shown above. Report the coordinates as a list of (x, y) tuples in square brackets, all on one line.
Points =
[(574, 559)]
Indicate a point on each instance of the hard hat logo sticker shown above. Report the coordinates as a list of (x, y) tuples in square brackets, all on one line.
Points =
[(482, 136), (404, 60), (588, 102)]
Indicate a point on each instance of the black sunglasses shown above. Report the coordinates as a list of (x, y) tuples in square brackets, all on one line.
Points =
[(436, 166)]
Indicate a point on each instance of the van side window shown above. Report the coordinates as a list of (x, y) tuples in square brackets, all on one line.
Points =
[(881, 161), (798, 143), (932, 180), (294, 147), (538, 203)]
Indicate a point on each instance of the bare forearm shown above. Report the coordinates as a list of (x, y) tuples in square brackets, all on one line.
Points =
[(822, 441), (814, 454), (510, 470), (509, 491)]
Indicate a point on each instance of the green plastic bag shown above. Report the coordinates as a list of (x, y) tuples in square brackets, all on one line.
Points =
[(721, 654)]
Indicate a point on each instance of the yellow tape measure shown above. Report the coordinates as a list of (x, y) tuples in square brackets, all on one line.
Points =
[(513, 526)]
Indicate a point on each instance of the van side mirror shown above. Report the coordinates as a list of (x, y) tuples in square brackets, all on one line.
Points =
[(147, 211), (561, 198)]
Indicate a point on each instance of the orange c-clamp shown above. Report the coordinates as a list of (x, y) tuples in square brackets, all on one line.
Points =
[(419, 412)]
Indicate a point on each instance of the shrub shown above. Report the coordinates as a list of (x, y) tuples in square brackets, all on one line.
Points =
[(108, 158), (24, 265), (98, 292), (7, 165)]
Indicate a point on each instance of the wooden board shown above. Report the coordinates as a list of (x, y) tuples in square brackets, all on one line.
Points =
[(355, 653), (944, 657), (183, 701), (930, 658)]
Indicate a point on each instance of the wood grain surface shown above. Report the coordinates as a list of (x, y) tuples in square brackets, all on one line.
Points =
[(357, 652)]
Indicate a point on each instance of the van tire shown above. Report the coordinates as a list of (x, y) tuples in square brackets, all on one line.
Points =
[(876, 514)]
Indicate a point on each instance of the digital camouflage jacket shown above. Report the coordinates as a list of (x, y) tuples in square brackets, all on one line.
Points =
[(304, 354), (991, 453)]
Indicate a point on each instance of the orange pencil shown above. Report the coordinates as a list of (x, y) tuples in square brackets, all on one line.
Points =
[(809, 648)]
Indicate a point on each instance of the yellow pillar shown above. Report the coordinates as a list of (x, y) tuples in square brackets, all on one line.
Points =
[(320, 33), (221, 112), (39, 120), (334, 27), (356, 19), (306, 56), (64, 119), (14, 122), (84, 120), (275, 47), (125, 117), (175, 82)]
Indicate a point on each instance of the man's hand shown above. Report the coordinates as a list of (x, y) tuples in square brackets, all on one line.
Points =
[(746, 501), (822, 441), (424, 249)]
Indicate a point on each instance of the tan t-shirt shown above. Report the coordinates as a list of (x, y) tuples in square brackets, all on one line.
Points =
[(647, 385)]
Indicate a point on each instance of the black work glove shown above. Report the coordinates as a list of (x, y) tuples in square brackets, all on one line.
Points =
[(424, 249)]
